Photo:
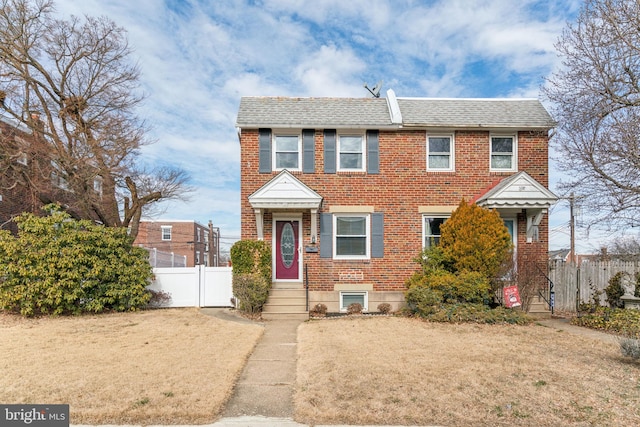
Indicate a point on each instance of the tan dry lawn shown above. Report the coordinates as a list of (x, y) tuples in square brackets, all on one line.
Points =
[(174, 366), (405, 371)]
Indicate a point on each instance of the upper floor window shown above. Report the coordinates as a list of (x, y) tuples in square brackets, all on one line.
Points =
[(351, 237), (351, 152), (440, 153), (166, 232), (503, 152), (287, 152), (431, 229)]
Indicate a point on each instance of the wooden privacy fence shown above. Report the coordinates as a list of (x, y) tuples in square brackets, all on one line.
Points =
[(575, 284)]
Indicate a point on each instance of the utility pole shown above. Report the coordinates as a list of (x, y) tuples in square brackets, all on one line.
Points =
[(572, 221)]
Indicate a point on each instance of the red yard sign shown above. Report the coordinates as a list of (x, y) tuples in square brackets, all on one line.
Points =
[(511, 297)]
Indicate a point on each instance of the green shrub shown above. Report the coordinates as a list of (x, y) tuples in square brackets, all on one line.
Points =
[(478, 313), (617, 321), (251, 291), (251, 256), (57, 265), (422, 300), (463, 287), (615, 291), (251, 265)]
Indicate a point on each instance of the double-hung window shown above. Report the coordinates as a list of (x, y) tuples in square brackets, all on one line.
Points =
[(431, 229), (503, 153), (351, 153), (352, 236), (166, 232), (440, 154), (287, 151)]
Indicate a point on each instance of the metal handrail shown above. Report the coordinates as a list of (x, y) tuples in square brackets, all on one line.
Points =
[(306, 283)]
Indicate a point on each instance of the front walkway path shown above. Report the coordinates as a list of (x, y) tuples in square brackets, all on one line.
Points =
[(266, 384)]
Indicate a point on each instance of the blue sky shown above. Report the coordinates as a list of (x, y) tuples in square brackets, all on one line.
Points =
[(198, 57)]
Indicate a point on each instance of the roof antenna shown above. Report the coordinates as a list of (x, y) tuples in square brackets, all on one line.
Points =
[(375, 91)]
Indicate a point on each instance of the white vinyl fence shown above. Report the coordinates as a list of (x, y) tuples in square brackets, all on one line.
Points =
[(159, 259), (575, 284), (198, 286)]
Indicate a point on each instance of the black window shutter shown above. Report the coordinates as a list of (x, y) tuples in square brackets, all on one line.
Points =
[(326, 235), (377, 235), (329, 151), (373, 152), (264, 143), (308, 151)]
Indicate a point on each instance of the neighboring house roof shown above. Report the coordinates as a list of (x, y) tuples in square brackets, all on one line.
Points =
[(392, 112), (518, 191)]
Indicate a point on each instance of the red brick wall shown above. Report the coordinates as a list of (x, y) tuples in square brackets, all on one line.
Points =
[(402, 185)]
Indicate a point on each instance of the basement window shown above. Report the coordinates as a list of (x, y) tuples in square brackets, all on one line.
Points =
[(350, 297)]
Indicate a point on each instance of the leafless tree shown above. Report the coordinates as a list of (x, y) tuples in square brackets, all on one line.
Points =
[(72, 83), (595, 98)]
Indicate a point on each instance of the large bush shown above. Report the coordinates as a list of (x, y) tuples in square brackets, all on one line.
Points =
[(475, 239), (251, 263), (57, 265), (474, 245)]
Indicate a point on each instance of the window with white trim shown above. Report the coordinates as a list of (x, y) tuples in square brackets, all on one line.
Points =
[(166, 232), (287, 151), (503, 152), (352, 234), (351, 297), (431, 229), (351, 153), (197, 260), (440, 153)]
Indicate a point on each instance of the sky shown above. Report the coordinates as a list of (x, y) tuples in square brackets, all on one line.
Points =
[(199, 57)]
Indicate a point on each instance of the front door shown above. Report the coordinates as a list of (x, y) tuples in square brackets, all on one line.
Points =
[(287, 257)]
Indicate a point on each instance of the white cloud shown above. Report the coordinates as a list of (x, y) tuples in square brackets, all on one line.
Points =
[(198, 57)]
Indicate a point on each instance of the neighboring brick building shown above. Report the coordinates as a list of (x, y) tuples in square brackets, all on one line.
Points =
[(356, 187), (200, 244), (28, 179)]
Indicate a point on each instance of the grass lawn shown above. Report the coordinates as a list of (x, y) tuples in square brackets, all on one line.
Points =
[(406, 371), (179, 366), (174, 366)]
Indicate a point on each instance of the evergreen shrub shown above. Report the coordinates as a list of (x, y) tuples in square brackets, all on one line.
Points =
[(57, 265)]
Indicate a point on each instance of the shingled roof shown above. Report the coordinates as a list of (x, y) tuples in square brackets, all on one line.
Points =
[(367, 113)]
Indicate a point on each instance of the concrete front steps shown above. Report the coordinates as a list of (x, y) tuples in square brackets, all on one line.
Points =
[(539, 309), (286, 301)]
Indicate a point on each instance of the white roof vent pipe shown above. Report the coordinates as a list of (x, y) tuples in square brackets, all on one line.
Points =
[(394, 108)]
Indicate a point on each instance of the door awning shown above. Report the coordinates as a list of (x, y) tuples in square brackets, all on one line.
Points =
[(285, 191)]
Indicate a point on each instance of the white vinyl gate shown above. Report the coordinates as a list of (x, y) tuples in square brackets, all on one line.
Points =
[(198, 286)]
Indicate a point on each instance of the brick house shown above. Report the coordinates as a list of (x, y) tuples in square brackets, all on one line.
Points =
[(198, 243), (350, 190), (28, 177)]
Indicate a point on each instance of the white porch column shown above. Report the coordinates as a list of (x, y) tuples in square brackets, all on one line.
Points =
[(534, 217), (314, 225), (259, 224)]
